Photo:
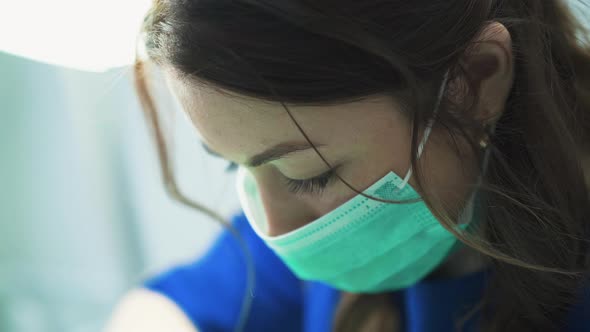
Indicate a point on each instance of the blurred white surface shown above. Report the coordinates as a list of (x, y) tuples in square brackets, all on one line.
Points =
[(83, 34), (83, 212)]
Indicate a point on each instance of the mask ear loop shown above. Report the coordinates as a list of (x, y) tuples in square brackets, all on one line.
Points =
[(468, 213), (428, 127)]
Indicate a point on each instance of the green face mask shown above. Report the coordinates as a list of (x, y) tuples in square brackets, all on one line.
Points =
[(363, 245)]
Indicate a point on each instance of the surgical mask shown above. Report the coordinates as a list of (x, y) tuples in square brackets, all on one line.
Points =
[(363, 245)]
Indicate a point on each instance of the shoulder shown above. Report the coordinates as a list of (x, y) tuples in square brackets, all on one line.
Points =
[(209, 290), (147, 311)]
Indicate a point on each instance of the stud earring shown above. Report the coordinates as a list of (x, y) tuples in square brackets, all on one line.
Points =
[(485, 140)]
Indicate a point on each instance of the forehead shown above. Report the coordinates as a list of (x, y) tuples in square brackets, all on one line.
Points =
[(238, 126), (229, 123)]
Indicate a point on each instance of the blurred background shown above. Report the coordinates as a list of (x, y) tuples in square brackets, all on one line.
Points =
[(83, 213)]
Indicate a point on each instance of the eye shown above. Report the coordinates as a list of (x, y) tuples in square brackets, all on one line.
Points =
[(308, 186)]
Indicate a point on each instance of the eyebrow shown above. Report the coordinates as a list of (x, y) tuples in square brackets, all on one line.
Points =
[(276, 152)]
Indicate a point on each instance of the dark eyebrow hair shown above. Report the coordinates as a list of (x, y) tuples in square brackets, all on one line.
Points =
[(276, 152)]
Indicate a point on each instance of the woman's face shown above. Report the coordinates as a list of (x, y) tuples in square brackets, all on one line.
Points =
[(363, 141)]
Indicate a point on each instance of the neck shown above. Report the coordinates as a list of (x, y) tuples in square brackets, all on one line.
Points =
[(463, 261)]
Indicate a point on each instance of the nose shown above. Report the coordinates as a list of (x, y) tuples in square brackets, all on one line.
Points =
[(285, 211)]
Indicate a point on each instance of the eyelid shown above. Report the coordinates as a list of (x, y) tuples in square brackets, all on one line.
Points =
[(231, 167), (313, 186), (312, 178)]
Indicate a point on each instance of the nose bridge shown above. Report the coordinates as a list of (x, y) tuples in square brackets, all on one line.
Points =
[(284, 211)]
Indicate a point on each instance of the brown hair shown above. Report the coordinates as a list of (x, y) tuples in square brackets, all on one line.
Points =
[(297, 52)]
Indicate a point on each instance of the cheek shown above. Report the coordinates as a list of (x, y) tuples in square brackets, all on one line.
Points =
[(360, 174), (378, 152), (337, 195), (447, 176)]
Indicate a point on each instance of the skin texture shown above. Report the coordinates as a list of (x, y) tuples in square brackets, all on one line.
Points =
[(364, 140)]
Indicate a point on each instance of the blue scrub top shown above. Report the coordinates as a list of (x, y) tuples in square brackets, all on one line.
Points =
[(210, 291)]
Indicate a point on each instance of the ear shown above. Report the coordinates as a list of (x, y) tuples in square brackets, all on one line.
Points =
[(489, 64)]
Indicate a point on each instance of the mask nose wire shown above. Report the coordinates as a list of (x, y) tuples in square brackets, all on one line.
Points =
[(428, 127)]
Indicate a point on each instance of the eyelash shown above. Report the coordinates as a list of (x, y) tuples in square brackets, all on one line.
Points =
[(314, 185)]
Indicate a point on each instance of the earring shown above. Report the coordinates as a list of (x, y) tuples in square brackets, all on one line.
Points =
[(485, 140)]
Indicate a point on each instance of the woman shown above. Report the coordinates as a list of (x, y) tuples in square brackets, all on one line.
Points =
[(402, 165)]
